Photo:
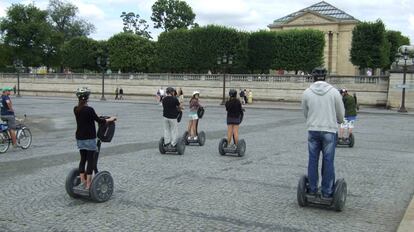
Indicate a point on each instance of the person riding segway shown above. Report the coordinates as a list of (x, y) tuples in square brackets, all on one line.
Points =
[(79, 182), (323, 108), (235, 114), (192, 136), (170, 142)]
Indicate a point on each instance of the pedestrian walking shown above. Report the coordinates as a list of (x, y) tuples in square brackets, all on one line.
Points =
[(121, 94), (116, 93)]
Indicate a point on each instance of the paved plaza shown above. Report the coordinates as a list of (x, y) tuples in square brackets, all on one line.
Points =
[(201, 190)]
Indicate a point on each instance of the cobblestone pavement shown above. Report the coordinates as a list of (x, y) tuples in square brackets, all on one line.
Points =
[(201, 190)]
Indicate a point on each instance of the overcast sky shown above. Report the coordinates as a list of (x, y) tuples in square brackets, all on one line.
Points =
[(247, 15)]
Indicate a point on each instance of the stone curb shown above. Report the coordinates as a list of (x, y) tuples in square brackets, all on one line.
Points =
[(407, 223)]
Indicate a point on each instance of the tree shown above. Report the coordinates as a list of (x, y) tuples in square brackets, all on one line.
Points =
[(5, 56), (261, 47), (174, 51), (130, 53), (62, 16), (80, 53), (134, 24), (26, 32), (396, 39), (172, 14), (370, 49)]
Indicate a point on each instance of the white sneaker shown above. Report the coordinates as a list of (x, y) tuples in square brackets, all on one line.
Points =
[(195, 138), (189, 138)]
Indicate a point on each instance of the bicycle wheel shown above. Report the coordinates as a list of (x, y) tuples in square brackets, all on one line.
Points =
[(4, 142), (24, 138)]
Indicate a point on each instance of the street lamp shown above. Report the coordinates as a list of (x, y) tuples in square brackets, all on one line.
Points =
[(103, 64), (226, 60), (404, 52), (18, 64)]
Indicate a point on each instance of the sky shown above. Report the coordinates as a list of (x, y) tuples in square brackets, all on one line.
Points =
[(246, 15)]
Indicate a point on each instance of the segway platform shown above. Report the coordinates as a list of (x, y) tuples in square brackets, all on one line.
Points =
[(224, 149), (102, 185), (178, 149), (350, 141), (337, 202)]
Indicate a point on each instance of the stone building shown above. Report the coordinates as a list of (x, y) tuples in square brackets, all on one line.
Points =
[(337, 26)]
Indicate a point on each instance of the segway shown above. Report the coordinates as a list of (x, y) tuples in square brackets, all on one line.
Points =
[(179, 148), (349, 138), (102, 185), (240, 149), (337, 202), (201, 137)]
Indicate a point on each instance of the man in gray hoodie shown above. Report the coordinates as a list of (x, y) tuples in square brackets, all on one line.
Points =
[(323, 109)]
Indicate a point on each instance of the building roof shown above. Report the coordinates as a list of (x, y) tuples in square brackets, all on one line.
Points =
[(322, 8)]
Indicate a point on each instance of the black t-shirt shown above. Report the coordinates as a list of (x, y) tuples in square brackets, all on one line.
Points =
[(85, 121), (234, 108), (170, 105)]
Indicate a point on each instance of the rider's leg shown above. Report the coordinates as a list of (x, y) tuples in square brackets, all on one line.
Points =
[(13, 136), (174, 131), (314, 148), (90, 167), (236, 133), (328, 172), (82, 163), (229, 133)]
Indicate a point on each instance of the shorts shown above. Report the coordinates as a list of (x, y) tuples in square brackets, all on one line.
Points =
[(233, 121), (193, 115), (349, 122), (87, 144), (11, 121)]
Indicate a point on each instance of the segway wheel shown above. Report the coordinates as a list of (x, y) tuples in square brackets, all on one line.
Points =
[(201, 138), (185, 136), (302, 189), (241, 147), (351, 140), (72, 180), (161, 146), (223, 143), (102, 187), (180, 146), (340, 194)]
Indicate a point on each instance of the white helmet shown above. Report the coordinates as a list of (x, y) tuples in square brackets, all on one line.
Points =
[(196, 92), (83, 93)]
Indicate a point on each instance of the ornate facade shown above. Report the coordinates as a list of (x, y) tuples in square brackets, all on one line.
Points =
[(337, 26)]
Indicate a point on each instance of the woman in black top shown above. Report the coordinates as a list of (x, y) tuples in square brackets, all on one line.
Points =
[(86, 135), (234, 113)]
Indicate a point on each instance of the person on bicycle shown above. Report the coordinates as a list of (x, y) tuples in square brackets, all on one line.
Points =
[(171, 107), (350, 113), (234, 113), (86, 135), (194, 106), (7, 113)]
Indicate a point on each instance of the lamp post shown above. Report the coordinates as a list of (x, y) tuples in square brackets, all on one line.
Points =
[(404, 52), (103, 64), (226, 60), (18, 64)]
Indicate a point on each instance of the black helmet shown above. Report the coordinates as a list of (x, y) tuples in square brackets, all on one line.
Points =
[(83, 93), (319, 74), (170, 90), (233, 93)]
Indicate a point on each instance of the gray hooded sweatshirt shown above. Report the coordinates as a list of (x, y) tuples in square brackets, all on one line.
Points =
[(323, 107)]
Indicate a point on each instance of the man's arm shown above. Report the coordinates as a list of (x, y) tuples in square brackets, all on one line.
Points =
[(339, 108), (9, 105), (304, 106)]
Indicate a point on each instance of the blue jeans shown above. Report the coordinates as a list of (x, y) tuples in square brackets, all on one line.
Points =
[(321, 141)]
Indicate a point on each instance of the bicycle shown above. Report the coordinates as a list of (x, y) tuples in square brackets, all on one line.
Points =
[(23, 136)]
